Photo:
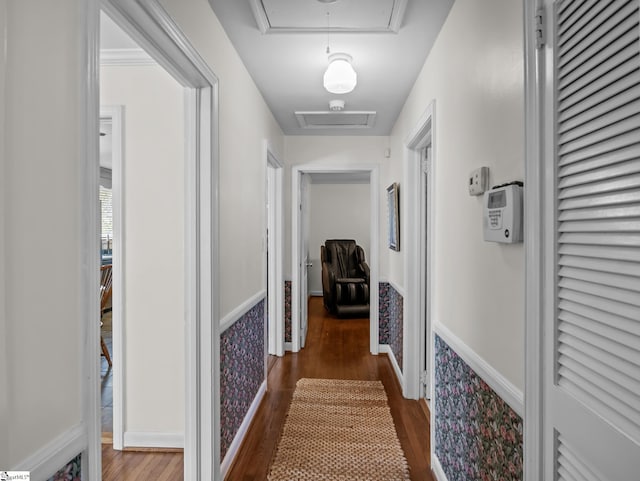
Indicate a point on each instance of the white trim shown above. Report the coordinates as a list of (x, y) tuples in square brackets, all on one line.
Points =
[(500, 384), (316, 293), (288, 347), (419, 137), (115, 113), (233, 317), (53, 456), (275, 225), (436, 468), (151, 27), (125, 57), (386, 349), (242, 431), (89, 233), (374, 182), (153, 440), (533, 241)]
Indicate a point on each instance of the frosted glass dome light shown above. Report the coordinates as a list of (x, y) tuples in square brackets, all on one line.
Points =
[(340, 77)]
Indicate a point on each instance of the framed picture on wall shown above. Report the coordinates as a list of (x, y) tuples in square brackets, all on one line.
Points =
[(393, 205)]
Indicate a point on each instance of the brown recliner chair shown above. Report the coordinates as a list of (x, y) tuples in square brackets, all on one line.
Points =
[(345, 278)]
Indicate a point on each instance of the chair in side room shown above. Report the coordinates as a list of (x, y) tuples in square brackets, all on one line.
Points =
[(106, 287), (345, 278)]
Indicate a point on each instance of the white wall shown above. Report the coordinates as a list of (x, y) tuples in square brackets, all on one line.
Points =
[(41, 193), (329, 151), (153, 246), (245, 122), (337, 211), (475, 74), (4, 408)]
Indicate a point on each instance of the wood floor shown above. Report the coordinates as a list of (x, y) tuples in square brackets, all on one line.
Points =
[(141, 466), (336, 349)]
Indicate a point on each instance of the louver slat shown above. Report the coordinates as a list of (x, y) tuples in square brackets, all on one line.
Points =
[(628, 111), (598, 288), (572, 118), (600, 98), (629, 153), (599, 252), (607, 46), (570, 466), (586, 31)]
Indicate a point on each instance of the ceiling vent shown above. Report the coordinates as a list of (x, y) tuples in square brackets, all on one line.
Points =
[(336, 120)]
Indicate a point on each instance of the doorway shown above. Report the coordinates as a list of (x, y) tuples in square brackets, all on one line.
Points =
[(274, 252), (419, 167), (111, 162), (300, 259), (157, 33)]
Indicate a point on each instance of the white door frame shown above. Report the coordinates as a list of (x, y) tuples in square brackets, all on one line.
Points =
[(296, 178), (153, 29), (534, 238), (275, 226), (115, 114), (417, 271)]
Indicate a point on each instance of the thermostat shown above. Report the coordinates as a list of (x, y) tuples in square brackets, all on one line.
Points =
[(502, 219)]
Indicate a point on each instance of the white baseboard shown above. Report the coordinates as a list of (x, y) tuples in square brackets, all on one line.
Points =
[(153, 440), (242, 431), (500, 384), (55, 455), (288, 346), (230, 319), (386, 349), (436, 468), (316, 293)]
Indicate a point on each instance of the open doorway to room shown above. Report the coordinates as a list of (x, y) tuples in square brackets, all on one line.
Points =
[(194, 275), (146, 252), (321, 211)]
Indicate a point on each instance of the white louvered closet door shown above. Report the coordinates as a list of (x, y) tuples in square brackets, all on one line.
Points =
[(592, 350)]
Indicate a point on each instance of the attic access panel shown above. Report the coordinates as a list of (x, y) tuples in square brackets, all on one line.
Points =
[(345, 15)]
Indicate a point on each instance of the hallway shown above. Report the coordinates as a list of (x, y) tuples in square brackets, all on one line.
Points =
[(336, 349)]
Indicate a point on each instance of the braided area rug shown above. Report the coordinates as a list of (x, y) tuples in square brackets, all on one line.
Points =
[(339, 430)]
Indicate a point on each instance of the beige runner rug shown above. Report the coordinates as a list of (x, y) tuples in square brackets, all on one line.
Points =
[(339, 430)]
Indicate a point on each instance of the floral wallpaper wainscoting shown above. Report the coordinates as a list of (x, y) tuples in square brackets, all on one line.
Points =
[(241, 371), (478, 436), (71, 472), (287, 311), (391, 320)]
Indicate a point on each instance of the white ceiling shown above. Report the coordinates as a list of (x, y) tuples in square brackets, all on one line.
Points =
[(388, 39), (288, 62)]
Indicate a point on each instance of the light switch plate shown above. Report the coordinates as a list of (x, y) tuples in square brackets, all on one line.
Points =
[(479, 181)]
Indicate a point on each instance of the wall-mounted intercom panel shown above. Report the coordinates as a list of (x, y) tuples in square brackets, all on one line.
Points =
[(502, 219)]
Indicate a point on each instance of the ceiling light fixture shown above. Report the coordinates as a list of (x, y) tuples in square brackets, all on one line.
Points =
[(340, 77)]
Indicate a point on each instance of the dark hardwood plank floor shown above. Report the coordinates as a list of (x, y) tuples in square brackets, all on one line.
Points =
[(336, 349)]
